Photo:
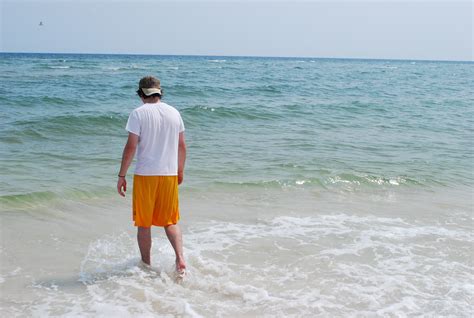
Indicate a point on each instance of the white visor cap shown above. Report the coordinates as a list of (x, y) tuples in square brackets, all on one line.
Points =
[(151, 91)]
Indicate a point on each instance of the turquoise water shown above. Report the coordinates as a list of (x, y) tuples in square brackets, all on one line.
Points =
[(313, 188), (251, 122)]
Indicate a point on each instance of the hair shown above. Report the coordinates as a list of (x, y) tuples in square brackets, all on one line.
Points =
[(149, 82)]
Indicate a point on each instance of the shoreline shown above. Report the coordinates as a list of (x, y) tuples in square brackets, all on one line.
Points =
[(238, 190)]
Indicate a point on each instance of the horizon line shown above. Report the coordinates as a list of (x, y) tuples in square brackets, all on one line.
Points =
[(249, 56)]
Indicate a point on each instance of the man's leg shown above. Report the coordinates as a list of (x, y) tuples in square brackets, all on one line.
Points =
[(144, 243), (174, 236)]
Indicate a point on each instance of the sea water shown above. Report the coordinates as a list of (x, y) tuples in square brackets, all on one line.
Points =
[(313, 187)]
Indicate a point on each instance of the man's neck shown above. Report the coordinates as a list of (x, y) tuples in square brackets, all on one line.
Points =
[(152, 101)]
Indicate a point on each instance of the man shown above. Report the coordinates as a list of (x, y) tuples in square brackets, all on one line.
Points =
[(156, 130)]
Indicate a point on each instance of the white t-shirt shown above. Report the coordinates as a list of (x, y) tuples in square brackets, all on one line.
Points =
[(158, 127)]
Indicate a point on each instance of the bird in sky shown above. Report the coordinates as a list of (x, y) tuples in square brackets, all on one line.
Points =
[(41, 23)]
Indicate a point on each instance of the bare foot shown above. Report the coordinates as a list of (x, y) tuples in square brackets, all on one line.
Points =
[(180, 264), (144, 265), (180, 268)]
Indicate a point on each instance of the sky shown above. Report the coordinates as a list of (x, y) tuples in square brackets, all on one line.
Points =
[(392, 29)]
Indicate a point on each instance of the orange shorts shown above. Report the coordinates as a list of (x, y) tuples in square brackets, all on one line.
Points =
[(155, 200)]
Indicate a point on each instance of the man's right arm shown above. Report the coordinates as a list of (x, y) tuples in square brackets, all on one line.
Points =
[(181, 157), (127, 158)]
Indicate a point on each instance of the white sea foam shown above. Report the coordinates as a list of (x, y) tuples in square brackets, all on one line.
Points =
[(12, 273), (327, 265), (121, 68), (113, 68)]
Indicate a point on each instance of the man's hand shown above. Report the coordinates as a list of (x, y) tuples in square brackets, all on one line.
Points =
[(180, 177), (121, 184)]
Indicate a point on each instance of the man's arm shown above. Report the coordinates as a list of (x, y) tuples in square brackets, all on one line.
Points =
[(127, 158), (181, 157)]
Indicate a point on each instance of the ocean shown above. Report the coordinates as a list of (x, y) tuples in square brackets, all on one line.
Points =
[(313, 188)]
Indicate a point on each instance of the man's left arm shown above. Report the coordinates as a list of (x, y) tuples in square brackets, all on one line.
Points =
[(127, 158)]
